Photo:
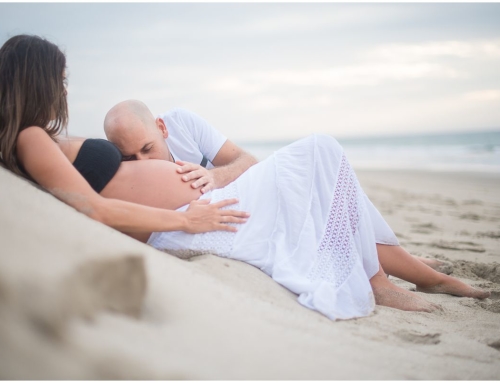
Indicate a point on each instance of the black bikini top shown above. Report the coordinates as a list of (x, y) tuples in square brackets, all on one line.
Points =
[(98, 161)]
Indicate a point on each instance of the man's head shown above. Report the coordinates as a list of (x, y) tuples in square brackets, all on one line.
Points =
[(133, 129)]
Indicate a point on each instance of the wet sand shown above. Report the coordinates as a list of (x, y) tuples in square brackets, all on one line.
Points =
[(80, 300)]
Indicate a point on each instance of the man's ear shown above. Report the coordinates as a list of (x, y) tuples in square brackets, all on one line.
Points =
[(162, 127)]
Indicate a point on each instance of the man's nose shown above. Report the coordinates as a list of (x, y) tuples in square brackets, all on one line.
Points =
[(140, 156)]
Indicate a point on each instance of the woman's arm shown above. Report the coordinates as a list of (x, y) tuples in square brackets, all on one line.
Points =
[(47, 165)]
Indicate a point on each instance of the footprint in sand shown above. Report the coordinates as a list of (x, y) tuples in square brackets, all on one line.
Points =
[(424, 228), (488, 234), (490, 305), (495, 295), (470, 216), (417, 338), (467, 302), (495, 344), (449, 202), (458, 245), (477, 217), (472, 202), (488, 271)]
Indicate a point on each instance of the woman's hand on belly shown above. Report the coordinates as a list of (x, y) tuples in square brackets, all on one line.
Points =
[(212, 217)]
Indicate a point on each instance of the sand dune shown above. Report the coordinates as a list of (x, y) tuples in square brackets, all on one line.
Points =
[(80, 300)]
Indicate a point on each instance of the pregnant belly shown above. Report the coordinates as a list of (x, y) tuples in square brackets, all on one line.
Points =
[(154, 183)]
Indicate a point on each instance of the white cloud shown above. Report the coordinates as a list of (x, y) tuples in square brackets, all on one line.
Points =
[(313, 18), (367, 74), (390, 62), (483, 95), (435, 49)]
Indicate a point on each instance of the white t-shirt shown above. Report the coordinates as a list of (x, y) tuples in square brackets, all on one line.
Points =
[(190, 138)]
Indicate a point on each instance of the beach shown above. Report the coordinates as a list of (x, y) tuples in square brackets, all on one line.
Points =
[(79, 300)]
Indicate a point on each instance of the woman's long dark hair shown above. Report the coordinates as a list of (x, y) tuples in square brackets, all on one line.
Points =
[(32, 92)]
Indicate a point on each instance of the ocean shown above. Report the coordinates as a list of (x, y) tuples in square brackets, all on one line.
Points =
[(454, 152)]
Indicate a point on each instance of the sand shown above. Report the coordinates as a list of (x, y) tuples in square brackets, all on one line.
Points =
[(80, 300)]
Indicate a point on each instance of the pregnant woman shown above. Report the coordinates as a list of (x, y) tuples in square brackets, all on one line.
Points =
[(312, 229)]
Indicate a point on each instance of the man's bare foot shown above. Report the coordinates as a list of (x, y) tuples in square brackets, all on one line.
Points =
[(453, 286), (390, 295), (444, 267)]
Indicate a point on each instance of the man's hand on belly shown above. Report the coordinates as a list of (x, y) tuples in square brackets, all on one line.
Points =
[(202, 177)]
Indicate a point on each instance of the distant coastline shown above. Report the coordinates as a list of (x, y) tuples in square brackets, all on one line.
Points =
[(455, 151)]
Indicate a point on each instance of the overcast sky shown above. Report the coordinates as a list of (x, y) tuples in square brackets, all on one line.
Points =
[(279, 71)]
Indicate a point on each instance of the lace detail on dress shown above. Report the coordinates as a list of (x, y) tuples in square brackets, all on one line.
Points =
[(216, 242), (336, 253)]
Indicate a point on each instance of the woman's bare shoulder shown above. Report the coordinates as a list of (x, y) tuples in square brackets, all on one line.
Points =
[(29, 138), (34, 135), (28, 135)]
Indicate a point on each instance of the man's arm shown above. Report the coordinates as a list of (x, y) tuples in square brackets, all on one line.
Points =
[(230, 162)]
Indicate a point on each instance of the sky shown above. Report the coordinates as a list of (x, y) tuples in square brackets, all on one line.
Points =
[(278, 71)]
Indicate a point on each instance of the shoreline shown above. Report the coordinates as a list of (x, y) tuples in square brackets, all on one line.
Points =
[(424, 172)]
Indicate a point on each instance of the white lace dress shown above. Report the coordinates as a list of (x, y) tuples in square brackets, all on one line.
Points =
[(312, 228)]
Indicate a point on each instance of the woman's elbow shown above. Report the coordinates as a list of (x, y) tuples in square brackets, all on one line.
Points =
[(108, 212), (96, 216), (94, 209)]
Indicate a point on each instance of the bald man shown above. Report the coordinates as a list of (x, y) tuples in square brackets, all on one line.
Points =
[(206, 158)]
